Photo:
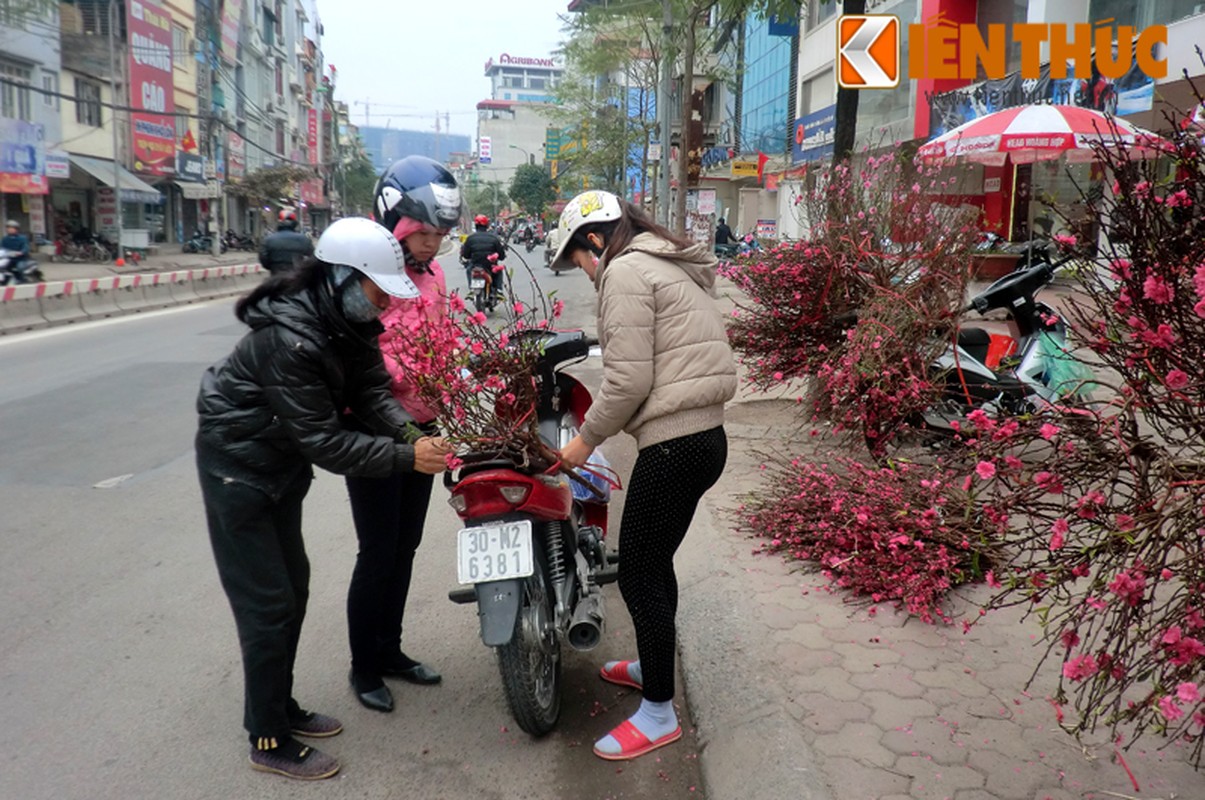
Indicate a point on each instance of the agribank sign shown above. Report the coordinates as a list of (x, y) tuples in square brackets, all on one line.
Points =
[(868, 50), (524, 61)]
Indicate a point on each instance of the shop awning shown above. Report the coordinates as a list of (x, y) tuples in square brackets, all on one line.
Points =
[(133, 189), (199, 191)]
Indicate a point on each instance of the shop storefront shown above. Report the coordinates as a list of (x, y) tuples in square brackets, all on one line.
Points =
[(192, 196), (23, 183), (85, 202)]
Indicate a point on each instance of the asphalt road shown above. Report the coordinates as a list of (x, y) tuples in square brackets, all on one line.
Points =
[(119, 668)]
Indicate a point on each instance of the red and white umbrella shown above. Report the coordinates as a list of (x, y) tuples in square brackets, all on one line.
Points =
[(1038, 133)]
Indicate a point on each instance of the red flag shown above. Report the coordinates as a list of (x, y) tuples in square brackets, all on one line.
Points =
[(762, 158)]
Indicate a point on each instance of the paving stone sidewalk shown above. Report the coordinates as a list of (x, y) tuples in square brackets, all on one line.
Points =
[(164, 261), (798, 693)]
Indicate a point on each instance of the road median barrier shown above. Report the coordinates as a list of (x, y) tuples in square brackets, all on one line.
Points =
[(21, 308), (214, 282), (30, 306), (98, 296), (182, 289), (157, 290), (61, 302), (128, 293)]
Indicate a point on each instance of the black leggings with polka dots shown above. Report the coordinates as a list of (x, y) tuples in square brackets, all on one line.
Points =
[(667, 482)]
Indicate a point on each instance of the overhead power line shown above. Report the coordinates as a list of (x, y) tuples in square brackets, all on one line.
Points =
[(212, 118)]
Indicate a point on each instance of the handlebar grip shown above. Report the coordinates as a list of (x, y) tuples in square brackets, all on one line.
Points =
[(590, 341)]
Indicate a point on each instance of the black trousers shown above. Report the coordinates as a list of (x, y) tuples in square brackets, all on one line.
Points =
[(262, 563), (667, 483), (389, 514)]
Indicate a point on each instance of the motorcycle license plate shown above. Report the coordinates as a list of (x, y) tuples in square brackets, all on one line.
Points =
[(494, 552), (477, 283)]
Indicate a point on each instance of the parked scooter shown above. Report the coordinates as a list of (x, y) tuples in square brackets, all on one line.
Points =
[(14, 268), (1005, 375), (237, 241), (201, 243), (736, 248), (533, 553)]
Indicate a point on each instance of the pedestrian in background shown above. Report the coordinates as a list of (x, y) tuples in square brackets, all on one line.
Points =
[(667, 372), (270, 411), (283, 250), (419, 201)]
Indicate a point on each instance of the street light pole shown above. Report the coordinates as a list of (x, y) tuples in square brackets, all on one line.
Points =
[(526, 155)]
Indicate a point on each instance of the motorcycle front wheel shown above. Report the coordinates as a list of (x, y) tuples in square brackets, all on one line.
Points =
[(530, 663)]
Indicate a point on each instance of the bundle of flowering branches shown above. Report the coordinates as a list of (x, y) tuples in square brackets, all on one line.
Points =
[(866, 302), (1108, 499), (900, 534), (479, 375)]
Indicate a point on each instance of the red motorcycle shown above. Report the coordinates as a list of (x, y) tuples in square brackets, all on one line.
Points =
[(533, 554)]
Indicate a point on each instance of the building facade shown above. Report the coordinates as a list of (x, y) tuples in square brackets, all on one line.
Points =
[(523, 79), (512, 123), (30, 124), (915, 111)]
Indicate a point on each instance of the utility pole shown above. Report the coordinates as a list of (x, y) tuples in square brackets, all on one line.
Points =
[(113, 124), (663, 113)]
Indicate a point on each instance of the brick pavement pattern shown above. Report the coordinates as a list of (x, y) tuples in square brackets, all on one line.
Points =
[(798, 693)]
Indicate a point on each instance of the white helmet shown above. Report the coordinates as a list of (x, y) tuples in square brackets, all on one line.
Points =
[(585, 209), (368, 248)]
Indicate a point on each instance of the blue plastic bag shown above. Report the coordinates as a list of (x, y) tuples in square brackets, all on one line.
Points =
[(597, 462)]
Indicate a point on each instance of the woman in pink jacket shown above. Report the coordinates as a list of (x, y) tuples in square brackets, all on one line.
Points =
[(419, 201)]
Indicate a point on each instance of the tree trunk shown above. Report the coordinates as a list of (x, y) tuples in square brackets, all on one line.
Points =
[(845, 117), (684, 140)]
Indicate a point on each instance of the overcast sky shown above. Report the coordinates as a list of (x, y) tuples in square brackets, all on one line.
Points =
[(429, 54)]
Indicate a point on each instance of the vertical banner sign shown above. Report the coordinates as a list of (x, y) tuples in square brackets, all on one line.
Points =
[(484, 150), (311, 134), (236, 155), (153, 119), (232, 15), (37, 214)]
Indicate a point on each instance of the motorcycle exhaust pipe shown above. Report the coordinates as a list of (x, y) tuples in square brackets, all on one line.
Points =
[(586, 627)]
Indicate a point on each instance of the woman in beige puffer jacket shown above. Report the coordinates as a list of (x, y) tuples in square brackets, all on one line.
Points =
[(667, 372)]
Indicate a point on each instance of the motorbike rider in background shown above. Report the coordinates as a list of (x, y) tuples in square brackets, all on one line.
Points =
[(281, 250), (724, 234), (15, 240), (476, 252)]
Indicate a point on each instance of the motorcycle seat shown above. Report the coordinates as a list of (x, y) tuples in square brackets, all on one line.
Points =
[(976, 342)]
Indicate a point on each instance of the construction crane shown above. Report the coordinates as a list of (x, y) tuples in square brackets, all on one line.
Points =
[(368, 105)]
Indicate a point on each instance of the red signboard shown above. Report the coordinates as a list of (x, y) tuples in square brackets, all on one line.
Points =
[(153, 119), (311, 134), (311, 193), (18, 183), (232, 15)]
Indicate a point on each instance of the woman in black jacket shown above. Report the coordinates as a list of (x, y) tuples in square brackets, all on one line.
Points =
[(269, 412)]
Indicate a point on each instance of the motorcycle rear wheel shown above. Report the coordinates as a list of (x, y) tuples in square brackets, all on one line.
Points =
[(530, 663)]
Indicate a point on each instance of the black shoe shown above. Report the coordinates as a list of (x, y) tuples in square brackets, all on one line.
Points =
[(371, 695), (417, 673)]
